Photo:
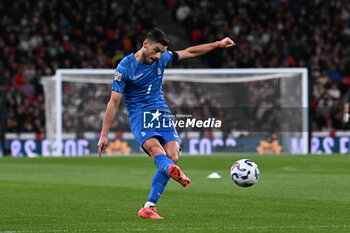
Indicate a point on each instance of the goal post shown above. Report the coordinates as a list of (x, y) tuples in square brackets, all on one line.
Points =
[(254, 106)]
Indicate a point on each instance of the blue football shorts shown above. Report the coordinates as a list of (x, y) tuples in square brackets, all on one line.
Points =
[(156, 124)]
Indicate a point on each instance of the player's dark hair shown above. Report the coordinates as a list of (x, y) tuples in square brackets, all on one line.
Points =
[(157, 36)]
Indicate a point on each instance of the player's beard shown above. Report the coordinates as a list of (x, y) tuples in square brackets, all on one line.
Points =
[(148, 60), (145, 58)]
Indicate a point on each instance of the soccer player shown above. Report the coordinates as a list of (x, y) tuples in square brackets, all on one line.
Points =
[(138, 78)]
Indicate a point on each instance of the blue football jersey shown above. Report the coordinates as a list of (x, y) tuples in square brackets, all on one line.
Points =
[(140, 83)]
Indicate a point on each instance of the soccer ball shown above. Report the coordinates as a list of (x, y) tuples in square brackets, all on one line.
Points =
[(245, 172)]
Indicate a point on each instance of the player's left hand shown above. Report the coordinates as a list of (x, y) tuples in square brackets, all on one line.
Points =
[(226, 42), (102, 143)]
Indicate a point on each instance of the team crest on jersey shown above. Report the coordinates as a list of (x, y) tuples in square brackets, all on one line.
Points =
[(159, 71), (118, 76)]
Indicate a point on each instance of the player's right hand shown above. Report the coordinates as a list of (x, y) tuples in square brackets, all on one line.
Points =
[(226, 43), (102, 143)]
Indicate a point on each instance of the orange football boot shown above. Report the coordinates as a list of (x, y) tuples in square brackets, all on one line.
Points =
[(149, 213), (176, 173)]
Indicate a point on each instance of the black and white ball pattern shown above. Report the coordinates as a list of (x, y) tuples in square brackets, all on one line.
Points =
[(245, 172)]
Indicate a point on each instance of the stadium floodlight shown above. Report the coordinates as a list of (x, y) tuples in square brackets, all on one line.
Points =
[(260, 102)]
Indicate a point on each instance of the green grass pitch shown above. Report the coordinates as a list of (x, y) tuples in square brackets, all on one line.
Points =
[(294, 194)]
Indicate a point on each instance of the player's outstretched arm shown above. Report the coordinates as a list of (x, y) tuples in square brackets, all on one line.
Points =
[(111, 110), (198, 50)]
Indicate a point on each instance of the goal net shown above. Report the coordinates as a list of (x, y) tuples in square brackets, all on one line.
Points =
[(214, 111)]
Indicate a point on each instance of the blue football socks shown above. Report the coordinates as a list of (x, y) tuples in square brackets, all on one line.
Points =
[(161, 178), (163, 162), (159, 182)]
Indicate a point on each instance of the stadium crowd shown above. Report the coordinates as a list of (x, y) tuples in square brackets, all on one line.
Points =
[(37, 37), (280, 33)]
